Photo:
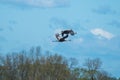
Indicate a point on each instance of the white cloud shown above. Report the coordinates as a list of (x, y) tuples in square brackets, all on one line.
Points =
[(41, 3), (102, 33)]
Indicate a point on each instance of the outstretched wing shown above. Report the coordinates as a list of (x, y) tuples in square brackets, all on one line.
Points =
[(61, 41)]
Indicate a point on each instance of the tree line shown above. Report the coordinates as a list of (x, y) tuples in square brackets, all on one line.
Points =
[(33, 65)]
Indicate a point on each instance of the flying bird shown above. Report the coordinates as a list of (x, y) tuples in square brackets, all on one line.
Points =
[(64, 35)]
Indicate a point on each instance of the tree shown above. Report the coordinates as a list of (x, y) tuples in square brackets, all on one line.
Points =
[(32, 65), (92, 66)]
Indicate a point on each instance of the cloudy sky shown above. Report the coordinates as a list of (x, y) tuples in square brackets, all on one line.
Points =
[(27, 23)]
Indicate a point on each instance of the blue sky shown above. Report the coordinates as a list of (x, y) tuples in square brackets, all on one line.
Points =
[(27, 23)]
